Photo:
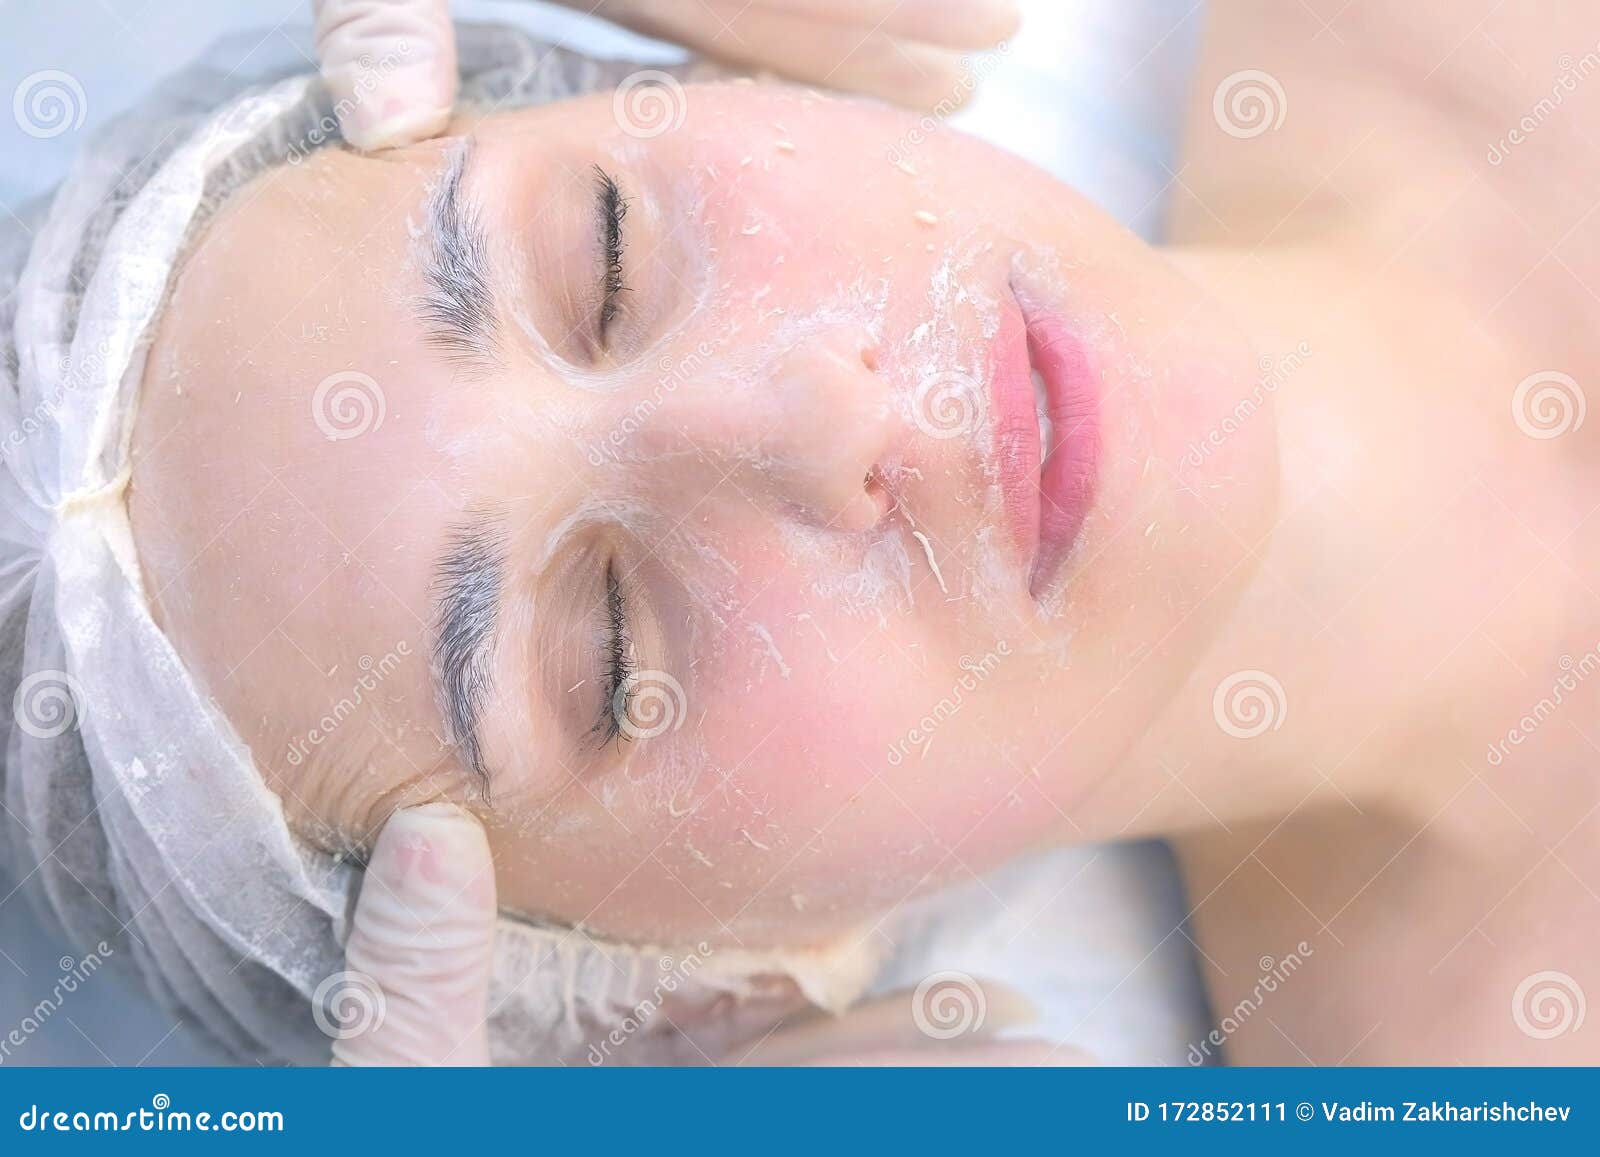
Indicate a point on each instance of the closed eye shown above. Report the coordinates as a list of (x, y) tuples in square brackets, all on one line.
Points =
[(612, 208), (616, 659)]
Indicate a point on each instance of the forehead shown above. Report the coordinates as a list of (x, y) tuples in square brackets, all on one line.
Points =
[(283, 499)]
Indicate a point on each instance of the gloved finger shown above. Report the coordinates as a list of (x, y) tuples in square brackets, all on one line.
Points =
[(422, 943), (390, 66), (834, 55), (966, 24)]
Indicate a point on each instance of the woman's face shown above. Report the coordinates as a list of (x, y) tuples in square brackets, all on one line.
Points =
[(677, 501)]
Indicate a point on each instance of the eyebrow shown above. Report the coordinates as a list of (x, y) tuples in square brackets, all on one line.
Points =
[(468, 580), (458, 308)]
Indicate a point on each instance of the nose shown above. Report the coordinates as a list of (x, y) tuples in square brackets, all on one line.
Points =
[(834, 424), (805, 427)]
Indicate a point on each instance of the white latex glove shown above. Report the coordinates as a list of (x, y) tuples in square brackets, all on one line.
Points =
[(421, 944), (906, 51), (421, 947)]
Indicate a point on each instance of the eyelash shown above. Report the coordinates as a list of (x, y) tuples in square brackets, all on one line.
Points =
[(613, 208), (618, 658)]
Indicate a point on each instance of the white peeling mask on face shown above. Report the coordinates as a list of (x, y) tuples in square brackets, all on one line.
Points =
[(844, 437)]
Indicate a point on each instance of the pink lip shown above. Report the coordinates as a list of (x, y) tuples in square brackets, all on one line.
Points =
[(1044, 508)]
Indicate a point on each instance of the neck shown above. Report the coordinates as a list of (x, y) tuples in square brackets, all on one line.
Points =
[(1428, 552), (1362, 632)]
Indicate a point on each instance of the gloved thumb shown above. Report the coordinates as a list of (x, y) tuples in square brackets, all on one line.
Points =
[(390, 66), (421, 945)]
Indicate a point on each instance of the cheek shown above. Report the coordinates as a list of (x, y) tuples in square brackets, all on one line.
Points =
[(800, 692)]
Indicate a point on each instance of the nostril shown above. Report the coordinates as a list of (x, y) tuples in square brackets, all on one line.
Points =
[(866, 508)]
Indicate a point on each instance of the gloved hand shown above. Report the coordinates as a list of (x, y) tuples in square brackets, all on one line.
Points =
[(421, 944), (906, 51)]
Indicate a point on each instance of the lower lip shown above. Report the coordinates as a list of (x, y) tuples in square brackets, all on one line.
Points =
[(1046, 507)]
